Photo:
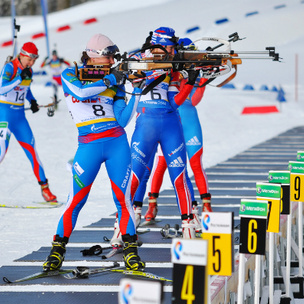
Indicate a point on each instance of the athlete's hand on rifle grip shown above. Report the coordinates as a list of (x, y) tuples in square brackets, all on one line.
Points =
[(34, 106), (120, 77), (115, 78), (192, 75), (26, 74)]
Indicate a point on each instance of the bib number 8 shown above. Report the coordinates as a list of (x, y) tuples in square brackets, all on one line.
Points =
[(98, 110)]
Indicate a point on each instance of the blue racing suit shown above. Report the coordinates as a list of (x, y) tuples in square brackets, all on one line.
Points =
[(158, 123), (100, 114), (13, 92)]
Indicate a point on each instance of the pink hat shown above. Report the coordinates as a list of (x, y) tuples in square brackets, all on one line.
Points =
[(29, 49), (100, 45)]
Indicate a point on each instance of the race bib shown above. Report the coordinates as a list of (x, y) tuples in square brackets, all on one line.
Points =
[(3, 130)]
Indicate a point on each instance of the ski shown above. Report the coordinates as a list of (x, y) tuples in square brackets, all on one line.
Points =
[(139, 232), (113, 252), (148, 223), (139, 273), (52, 203), (39, 275), (44, 205), (85, 272)]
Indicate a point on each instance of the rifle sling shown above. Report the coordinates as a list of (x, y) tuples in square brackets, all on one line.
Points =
[(153, 84)]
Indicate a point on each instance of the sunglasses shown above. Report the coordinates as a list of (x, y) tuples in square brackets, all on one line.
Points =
[(25, 53), (109, 50)]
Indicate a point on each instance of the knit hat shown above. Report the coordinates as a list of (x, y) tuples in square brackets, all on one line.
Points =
[(164, 36), (29, 49), (100, 45)]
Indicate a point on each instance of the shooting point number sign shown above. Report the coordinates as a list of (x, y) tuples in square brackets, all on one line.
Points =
[(189, 258), (283, 178), (217, 230), (271, 193), (253, 216), (296, 181)]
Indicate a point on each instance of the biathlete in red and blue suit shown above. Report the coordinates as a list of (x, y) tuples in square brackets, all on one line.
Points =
[(15, 81), (158, 123)]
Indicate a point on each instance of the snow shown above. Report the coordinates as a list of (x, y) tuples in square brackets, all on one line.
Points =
[(127, 23)]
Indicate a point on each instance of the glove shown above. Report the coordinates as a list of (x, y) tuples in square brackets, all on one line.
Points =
[(192, 75), (26, 74), (120, 77), (115, 78), (139, 84), (34, 106), (46, 58)]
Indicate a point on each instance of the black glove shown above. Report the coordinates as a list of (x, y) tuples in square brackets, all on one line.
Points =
[(26, 74), (192, 75), (120, 77), (46, 58), (34, 106)]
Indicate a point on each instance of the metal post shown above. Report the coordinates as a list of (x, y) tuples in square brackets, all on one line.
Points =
[(300, 237), (257, 279), (271, 266), (240, 296), (288, 253)]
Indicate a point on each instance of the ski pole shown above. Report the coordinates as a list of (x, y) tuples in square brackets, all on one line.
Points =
[(16, 30)]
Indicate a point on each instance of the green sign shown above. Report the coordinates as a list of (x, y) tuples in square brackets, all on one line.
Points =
[(268, 190), (279, 177), (300, 156), (3, 124), (253, 208), (296, 167)]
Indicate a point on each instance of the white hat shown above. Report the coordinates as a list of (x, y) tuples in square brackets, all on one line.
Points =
[(100, 45)]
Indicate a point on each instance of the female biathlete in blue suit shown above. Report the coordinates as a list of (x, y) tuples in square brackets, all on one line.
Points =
[(100, 113), (158, 122), (15, 81)]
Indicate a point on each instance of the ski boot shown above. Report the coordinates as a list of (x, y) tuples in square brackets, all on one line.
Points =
[(46, 192), (188, 227), (206, 202), (56, 257), (116, 240), (137, 212), (152, 208), (196, 219), (131, 258)]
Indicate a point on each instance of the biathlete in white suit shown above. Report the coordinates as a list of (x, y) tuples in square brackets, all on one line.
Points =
[(15, 81), (100, 112), (158, 123)]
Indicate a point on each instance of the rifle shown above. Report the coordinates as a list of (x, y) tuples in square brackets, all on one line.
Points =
[(16, 30), (212, 64)]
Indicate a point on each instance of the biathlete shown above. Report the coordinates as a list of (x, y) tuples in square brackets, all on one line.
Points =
[(193, 135), (100, 113), (56, 65), (15, 81), (158, 123)]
